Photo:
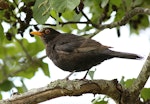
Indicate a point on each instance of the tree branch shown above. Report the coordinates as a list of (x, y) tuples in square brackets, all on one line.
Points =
[(67, 87), (141, 80), (126, 18)]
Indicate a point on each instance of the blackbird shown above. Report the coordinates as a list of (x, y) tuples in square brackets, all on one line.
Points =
[(75, 53)]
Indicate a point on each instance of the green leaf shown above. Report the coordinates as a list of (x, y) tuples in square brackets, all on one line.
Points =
[(138, 22), (101, 102), (144, 22), (55, 15), (64, 5), (71, 16), (24, 88), (8, 51), (1, 96), (122, 82), (145, 93), (1, 34), (95, 10), (128, 4), (20, 89), (91, 74), (146, 3), (116, 2), (34, 47), (45, 69), (68, 28), (27, 1), (119, 15), (129, 82), (6, 86), (32, 68), (28, 73), (41, 11), (28, 69)]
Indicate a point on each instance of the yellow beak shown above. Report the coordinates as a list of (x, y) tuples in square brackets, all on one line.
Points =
[(36, 33)]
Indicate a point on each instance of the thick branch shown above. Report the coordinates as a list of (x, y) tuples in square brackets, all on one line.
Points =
[(67, 87), (131, 95), (141, 80)]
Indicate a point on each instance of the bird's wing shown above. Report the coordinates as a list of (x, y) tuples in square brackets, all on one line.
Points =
[(67, 45), (78, 44)]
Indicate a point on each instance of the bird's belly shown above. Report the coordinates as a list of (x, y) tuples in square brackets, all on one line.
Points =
[(76, 62)]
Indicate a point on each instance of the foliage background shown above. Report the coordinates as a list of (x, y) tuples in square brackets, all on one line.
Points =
[(20, 57)]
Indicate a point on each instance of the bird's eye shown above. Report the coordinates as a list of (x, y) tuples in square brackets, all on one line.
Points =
[(47, 31)]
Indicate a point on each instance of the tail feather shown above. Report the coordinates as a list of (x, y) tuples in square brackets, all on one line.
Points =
[(124, 55)]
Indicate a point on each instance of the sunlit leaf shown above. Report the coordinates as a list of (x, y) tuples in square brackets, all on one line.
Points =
[(41, 11), (45, 68), (63, 5), (71, 16), (129, 82)]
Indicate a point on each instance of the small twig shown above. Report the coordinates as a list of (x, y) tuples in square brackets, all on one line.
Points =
[(104, 14), (126, 18), (41, 58), (63, 23), (86, 16), (93, 34), (88, 20)]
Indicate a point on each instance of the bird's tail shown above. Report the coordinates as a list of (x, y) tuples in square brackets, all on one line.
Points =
[(124, 55)]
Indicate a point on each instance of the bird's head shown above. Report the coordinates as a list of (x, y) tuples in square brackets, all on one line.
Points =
[(47, 34)]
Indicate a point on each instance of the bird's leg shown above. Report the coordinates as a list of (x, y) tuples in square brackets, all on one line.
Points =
[(85, 74), (67, 78)]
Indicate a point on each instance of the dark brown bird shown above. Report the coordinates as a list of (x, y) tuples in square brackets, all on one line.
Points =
[(75, 53)]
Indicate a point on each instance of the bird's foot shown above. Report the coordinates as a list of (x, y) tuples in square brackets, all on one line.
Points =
[(85, 75), (67, 77)]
